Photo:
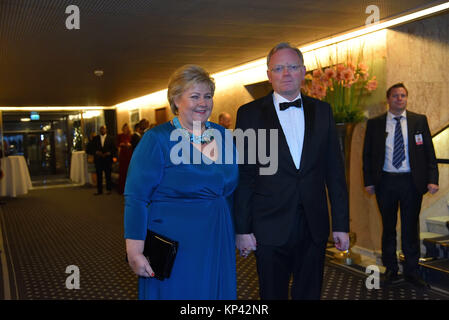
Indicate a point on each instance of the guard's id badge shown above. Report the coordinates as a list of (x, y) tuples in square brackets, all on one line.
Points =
[(418, 139)]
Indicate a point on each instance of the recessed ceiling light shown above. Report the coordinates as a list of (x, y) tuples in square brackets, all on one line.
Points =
[(98, 73), (25, 119)]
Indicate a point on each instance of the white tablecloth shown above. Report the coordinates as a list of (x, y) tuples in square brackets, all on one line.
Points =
[(78, 168), (16, 179)]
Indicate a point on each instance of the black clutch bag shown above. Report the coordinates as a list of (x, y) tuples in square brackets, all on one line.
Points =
[(161, 252)]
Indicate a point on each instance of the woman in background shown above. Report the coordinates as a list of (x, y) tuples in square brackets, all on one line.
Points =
[(125, 152)]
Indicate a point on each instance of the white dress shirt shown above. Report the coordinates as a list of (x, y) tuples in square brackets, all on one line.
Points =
[(292, 123), (102, 137), (389, 144)]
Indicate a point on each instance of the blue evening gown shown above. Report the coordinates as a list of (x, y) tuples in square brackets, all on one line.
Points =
[(190, 203)]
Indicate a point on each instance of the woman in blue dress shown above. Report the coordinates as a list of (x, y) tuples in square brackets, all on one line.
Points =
[(180, 184)]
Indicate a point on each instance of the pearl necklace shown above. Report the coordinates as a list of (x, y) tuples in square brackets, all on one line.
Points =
[(206, 137)]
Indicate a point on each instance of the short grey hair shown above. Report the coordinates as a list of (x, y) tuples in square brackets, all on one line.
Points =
[(284, 45), (183, 78)]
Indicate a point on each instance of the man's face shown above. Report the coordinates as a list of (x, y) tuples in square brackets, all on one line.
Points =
[(225, 121), (103, 130), (286, 83), (397, 100)]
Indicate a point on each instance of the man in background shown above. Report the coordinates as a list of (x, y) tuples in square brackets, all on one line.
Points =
[(399, 166), (137, 135), (105, 152), (225, 120)]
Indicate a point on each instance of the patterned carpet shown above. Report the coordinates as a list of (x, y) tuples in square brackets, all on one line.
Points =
[(49, 230)]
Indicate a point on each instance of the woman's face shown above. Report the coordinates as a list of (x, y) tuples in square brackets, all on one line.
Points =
[(194, 104), (125, 130)]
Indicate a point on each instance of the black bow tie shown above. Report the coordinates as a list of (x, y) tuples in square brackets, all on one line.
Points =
[(285, 105)]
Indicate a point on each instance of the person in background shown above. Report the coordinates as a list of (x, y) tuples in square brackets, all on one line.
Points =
[(399, 166), (144, 124), (136, 136), (187, 202), (225, 120), (90, 151), (125, 150), (105, 152)]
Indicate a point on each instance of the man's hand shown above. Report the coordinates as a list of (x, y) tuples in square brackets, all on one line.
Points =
[(433, 188), (341, 240), (245, 243), (370, 189)]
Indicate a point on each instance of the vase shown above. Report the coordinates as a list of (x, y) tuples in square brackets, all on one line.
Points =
[(344, 133)]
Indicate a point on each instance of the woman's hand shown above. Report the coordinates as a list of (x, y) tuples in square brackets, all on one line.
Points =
[(245, 243), (140, 265), (137, 261)]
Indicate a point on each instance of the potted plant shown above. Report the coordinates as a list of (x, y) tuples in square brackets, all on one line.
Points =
[(344, 86)]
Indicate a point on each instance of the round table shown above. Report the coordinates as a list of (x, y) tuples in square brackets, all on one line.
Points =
[(78, 168), (16, 179)]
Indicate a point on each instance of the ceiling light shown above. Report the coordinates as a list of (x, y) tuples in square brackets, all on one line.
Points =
[(72, 108), (25, 119)]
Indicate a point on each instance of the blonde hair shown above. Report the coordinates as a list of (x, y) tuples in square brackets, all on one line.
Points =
[(183, 78)]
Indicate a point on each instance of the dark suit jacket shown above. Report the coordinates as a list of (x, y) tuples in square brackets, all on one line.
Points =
[(266, 205), (109, 146), (135, 139), (423, 164)]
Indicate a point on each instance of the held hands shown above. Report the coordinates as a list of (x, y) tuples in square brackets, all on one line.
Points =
[(245, 243), (370, 189), (432, 188), (341, 240)]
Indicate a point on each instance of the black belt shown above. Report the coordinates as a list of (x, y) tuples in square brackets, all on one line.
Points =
[(395, 174)]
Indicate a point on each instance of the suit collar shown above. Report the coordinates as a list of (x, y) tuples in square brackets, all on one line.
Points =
[(272, 122), (309, 120)]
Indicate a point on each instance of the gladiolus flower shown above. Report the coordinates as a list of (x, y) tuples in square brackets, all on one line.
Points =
[(317, 73), (319, 91), (330, 73), (363, 68), (371, 85), (347, 75)]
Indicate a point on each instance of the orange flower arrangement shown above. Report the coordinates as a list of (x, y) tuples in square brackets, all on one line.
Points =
[(343, 86)]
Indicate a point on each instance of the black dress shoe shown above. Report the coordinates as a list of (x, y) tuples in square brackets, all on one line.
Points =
[(417, 281), (390, 277)]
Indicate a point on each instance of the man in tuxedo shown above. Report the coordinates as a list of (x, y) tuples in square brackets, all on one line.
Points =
[(105, 151), (284, 216), (399, 166), (137, 135)]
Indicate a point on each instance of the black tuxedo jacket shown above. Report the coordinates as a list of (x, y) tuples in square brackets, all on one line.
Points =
[(423, 164), (109, 146), (266, 205), (135, 139)]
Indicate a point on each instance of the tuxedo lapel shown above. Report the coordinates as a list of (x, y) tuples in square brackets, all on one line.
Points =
[(272, 122), (411, 131), (309, 119), (382, 134)]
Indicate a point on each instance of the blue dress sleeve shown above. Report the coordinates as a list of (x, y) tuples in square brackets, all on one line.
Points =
[(144, 175)]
